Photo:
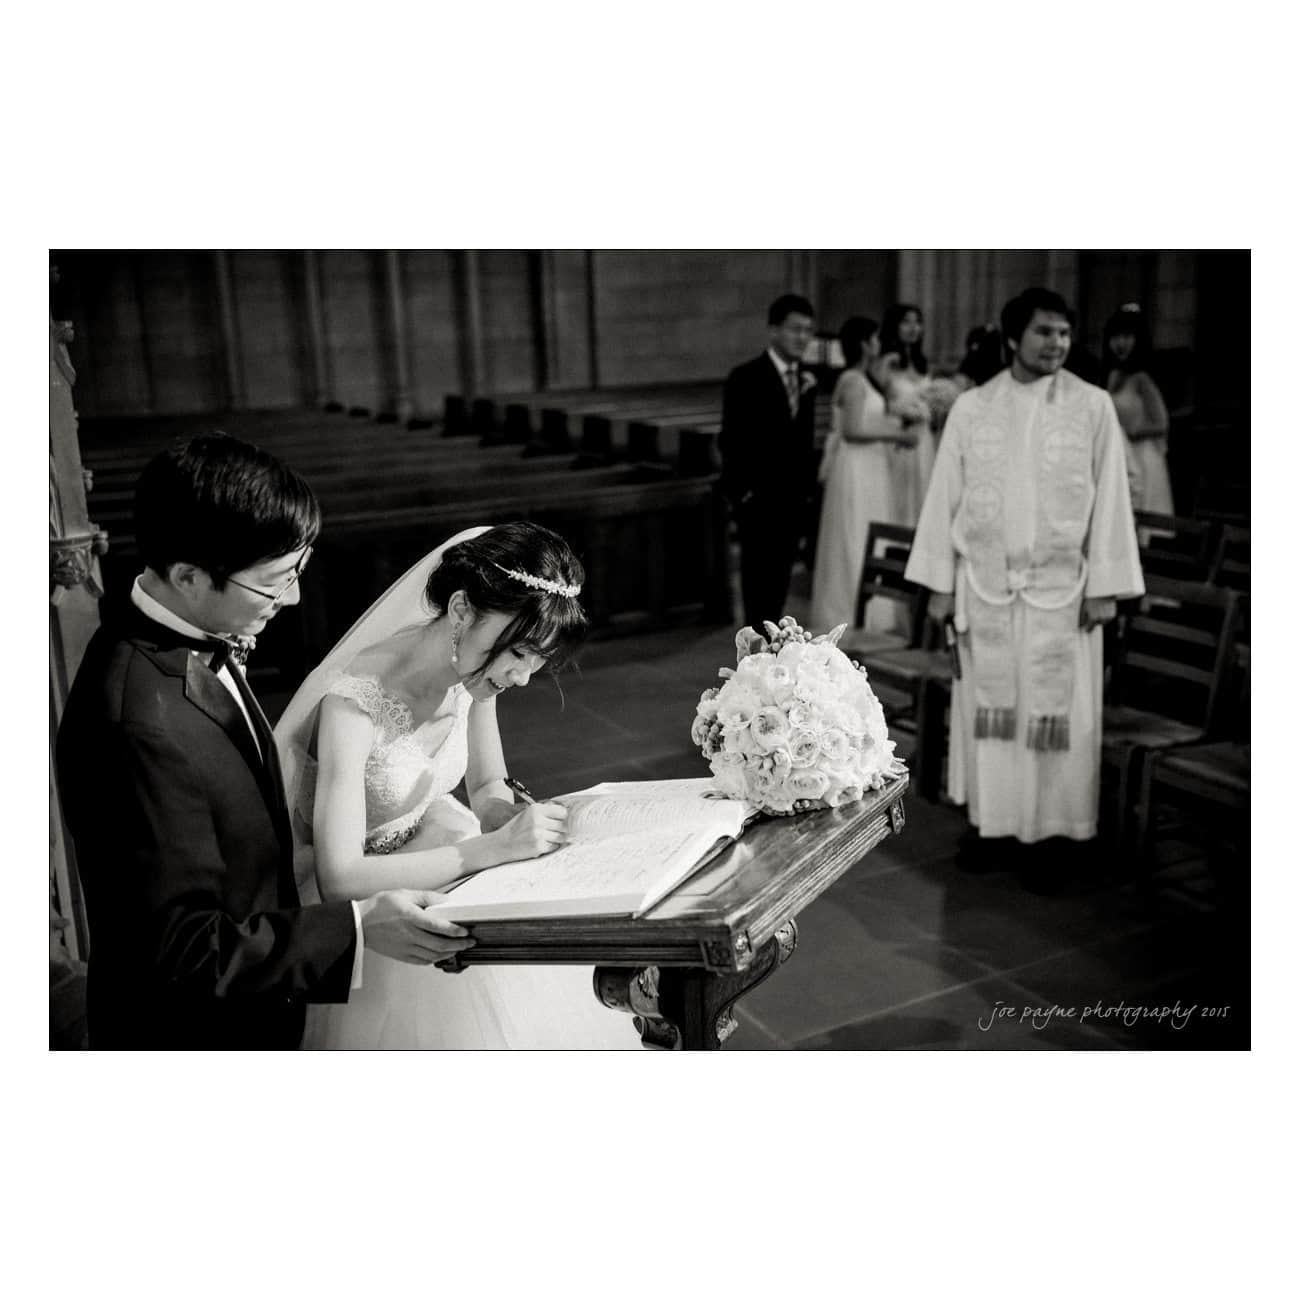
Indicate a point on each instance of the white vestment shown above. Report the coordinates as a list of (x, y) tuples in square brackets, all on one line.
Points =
[(1027, 513)]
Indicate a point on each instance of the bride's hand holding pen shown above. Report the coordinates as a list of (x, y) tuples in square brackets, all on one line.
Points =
[(534, 829)]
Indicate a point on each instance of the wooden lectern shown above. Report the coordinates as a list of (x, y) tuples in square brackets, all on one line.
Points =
[(681, 968)]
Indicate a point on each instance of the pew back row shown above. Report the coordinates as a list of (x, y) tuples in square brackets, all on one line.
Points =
[(650, 530)]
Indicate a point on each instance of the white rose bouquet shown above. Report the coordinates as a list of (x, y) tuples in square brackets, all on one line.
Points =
[(911, 408), (939, 393), (794, 725)]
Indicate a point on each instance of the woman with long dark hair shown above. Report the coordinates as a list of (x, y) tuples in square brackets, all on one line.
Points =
[(902, 372), (1126, 352), (859, 482)]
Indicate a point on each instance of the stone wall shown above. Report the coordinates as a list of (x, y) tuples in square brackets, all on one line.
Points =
[(190, 332)]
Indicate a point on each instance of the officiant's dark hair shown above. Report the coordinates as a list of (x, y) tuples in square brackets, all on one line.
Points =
[(547, 623), (223, 505), (786, 305), (1017, 314)]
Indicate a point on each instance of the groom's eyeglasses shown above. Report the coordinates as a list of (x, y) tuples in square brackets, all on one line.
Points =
[(288, 582)]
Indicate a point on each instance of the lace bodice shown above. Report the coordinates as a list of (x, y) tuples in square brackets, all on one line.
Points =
[(408, 766)]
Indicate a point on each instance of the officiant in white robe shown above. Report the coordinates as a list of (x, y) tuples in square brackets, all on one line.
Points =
[(1027, 536)]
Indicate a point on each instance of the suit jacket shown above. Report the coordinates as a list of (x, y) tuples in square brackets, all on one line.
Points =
[(765, 450), (184, 849)]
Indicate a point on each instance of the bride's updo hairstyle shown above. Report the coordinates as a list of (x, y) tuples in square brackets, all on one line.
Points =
[(546, 621)]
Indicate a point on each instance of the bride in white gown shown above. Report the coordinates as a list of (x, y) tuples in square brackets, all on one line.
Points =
[(374, 743)]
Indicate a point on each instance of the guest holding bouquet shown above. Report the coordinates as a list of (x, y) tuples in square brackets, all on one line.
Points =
[(1142, 414), (902, 372), (858, 479)]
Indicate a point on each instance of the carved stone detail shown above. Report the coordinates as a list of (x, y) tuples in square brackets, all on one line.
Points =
[(71, 562), (725, 1026)]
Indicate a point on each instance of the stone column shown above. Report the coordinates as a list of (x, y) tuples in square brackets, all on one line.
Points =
[(314, 315), (75, 588), (401, 372), (235, 397), (472, 362)]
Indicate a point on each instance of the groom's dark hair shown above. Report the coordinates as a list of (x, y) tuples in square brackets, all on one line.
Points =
[(787, 305), (223, 505)]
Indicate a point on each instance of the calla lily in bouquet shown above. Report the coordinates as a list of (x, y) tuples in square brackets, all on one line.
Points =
[(794, 725)]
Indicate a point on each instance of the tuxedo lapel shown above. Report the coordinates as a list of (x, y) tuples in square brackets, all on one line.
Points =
[(778, 395), (269, 772), (175, 655), (204, 690)]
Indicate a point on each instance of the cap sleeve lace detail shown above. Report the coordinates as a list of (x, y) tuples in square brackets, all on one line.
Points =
[(408, 767), (391, 715)]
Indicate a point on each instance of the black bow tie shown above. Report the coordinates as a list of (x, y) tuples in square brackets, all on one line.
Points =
[(224, 650), (234, 649)]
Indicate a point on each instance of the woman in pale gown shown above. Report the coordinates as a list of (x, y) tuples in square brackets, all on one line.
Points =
[(902, 373), (859, 483), (374, 743), (1142, 414)]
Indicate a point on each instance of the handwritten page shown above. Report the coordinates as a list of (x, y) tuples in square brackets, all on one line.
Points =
[(631, 843), (624, 806)]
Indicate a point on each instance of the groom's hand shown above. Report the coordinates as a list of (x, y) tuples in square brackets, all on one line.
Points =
[(396, 924)]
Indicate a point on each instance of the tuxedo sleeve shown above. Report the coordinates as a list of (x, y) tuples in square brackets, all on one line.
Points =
[(170, 844), (735, 440)]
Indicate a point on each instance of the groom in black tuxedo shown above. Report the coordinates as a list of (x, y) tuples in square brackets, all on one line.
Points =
[(768, 466), (172, 788)]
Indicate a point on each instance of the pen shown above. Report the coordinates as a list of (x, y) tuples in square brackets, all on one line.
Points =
[(520, 789)]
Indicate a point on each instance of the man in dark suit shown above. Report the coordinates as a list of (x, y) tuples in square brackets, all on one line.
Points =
[(172, 788), (768, 467)]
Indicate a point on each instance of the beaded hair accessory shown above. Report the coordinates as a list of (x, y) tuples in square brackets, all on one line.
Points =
[(541, 584)]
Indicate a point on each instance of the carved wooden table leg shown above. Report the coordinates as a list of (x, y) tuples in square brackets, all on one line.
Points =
[(685, 1006)]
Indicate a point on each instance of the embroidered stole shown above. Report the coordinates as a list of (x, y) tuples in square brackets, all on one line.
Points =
[(1048, 579)]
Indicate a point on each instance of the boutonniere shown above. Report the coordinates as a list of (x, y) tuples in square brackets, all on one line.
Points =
[(807, 382)]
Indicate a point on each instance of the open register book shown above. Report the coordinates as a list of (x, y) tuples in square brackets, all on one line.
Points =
[(630, 843)]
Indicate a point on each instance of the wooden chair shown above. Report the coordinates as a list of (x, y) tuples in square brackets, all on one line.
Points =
[(883, 563), (1231, 565), (1206, 784), (1221, 499), (1171, 663), (907, 671), (1173, 547)]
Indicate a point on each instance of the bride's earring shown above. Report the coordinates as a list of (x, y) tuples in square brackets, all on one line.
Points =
[(455, 646)]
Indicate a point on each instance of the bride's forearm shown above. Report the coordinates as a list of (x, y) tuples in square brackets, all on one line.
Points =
[(493, 802), (420, 869)]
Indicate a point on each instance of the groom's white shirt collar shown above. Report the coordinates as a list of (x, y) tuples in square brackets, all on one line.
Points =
[(781, 365), (159, 613)]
